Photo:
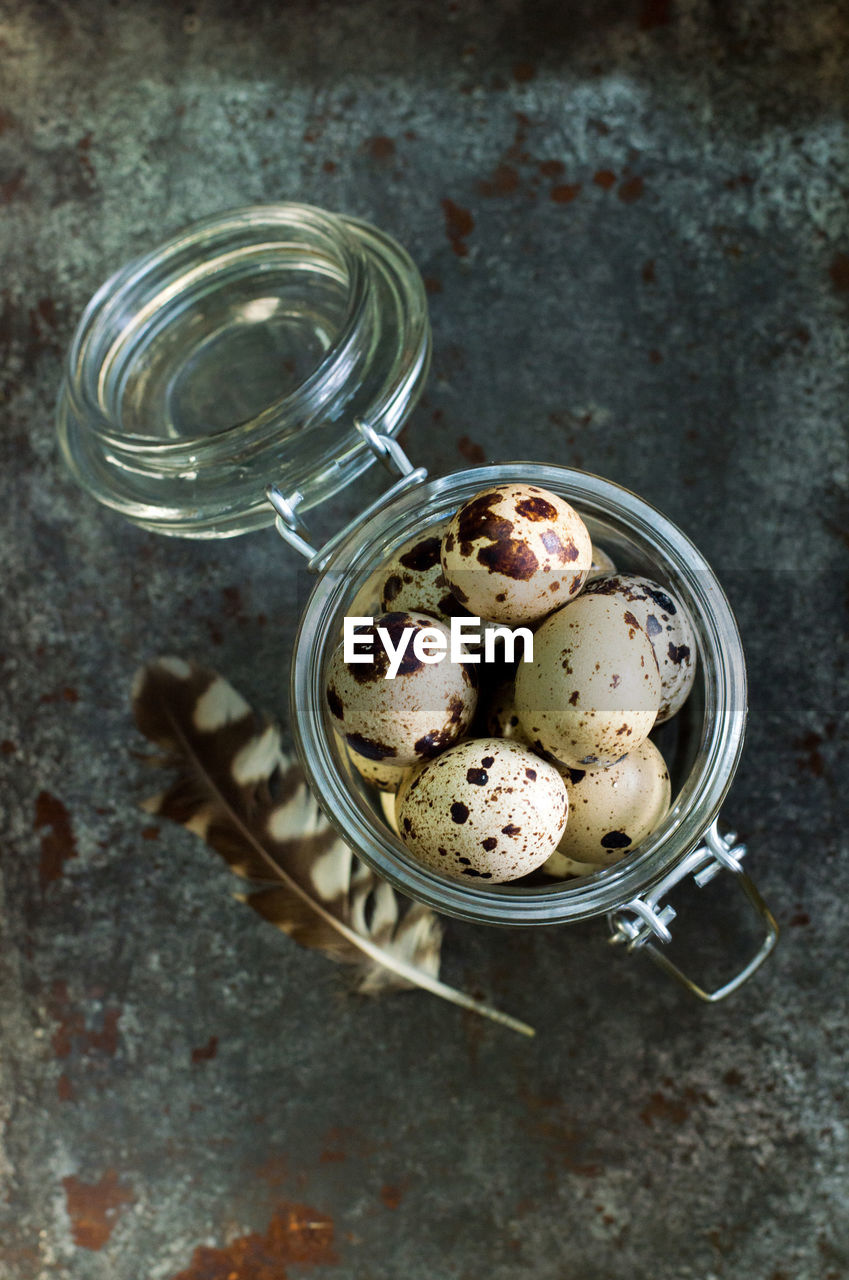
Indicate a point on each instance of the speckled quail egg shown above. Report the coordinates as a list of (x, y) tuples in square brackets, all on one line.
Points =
[(592, 691), (612, 810), (484, 810), (669, 628), (602, 564), (422, 710), (502, 720), (515, 552), (413, 579)]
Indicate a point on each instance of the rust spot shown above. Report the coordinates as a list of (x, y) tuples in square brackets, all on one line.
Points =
[(149, 833), (7, 747), (630, 190), (649, 276), (811, 760), (207, 1051), (64, 1089), (471, 451), (799, 918), (296, 1235), (655, 357), (655, 13), (380, 148), (459, 225), (523, 72), (504, 181), (565, 192), (391, 1195), (839, 272), (58, 845), (93, 1208), (604, 178)]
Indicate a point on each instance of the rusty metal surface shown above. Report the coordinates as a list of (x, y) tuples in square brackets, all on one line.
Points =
[(631, 218)]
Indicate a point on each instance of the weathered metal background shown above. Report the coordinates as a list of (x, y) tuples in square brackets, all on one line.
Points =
[(632, 220)]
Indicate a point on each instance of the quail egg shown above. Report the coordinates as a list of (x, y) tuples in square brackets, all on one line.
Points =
[(515, 552), (612, 810), (485, 810), (669, 628), (426, 707), (592, 691), (413, 579)]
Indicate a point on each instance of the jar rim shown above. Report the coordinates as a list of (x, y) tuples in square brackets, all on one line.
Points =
[(694, 808), (212, 482)]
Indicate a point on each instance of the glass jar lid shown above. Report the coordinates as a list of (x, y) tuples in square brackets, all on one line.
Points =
[(241, 351)]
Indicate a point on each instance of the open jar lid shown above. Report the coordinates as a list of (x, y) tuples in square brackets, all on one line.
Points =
[(240, 351)]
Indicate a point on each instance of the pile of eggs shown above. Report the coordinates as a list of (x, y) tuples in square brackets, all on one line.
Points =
[(553, 768)]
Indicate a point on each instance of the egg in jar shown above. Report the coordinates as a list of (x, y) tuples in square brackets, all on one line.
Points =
[(514, 552), (669, 628), (592, 692), (407, 718), (612, 810), (485, 809)]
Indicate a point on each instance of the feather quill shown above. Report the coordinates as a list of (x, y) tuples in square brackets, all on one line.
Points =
[(236, 789)]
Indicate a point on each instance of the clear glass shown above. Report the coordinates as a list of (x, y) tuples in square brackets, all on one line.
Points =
[(242, 349), (702, 744)]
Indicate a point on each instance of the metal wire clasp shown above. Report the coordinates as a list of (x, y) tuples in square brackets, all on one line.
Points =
[(291, 527), (642, 921)]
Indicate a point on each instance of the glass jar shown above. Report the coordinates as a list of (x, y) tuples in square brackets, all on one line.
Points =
[(286, 344), (702, 744), (240, 351)]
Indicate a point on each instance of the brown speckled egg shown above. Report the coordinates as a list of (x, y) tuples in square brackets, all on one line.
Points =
[(669, 628), (612, 810), (502, 720), (400, 721), (486, 810), (515, 552), (592, 692), (413, 579)]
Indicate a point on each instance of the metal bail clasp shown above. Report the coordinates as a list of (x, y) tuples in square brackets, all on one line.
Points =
[(291, 527), (642, 922)]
